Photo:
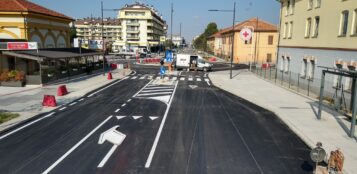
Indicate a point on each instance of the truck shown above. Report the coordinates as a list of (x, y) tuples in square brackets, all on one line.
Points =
[(192, 62)]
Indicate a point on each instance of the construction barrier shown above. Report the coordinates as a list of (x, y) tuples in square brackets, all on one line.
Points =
[(49, 100), (266, 65), (62, 90), (110, 77)]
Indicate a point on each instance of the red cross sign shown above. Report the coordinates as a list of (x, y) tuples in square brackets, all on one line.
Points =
[(246, 34)]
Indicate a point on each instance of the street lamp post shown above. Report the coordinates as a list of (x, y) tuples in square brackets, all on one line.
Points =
[(103, 44), (233, 33)]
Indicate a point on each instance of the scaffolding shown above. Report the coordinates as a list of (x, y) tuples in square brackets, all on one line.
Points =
[(341, 73)]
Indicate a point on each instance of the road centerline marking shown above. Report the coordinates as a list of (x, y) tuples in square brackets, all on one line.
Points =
[(117, 110), (75, 146), (61, 109), (123, 105), (72, 103)]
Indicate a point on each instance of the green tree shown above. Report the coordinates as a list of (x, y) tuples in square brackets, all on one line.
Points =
[(201, 42)]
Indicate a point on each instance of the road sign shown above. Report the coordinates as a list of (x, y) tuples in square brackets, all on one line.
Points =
[(317, 154), (20, 46), (162, 70), (246, 34), (169, 56)]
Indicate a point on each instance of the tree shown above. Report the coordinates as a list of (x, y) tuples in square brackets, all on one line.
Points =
[(72, 33), (201, 41)]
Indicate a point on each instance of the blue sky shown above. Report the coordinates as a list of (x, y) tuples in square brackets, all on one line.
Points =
[(193, 14)]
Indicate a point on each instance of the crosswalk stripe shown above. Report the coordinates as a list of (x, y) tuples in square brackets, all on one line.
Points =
[(143, 77), (157, 90), (182, 78), (190, 79), (159, 87), (157, 78), (207, 80), (135, 77), (158, 93), (198, 79)]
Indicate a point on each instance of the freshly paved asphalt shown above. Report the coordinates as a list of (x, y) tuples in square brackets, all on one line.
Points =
[(207, 130)]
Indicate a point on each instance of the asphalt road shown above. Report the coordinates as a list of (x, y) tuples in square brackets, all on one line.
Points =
[(187, 126)]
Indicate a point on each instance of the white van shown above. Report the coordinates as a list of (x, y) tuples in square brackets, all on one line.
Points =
[(186, 61)]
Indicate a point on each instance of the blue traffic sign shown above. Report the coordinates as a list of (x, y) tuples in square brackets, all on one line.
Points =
[(162, 70), (169, 56)]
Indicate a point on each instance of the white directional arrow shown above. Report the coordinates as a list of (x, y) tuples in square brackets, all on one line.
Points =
[(120, 117), (137, 117), (193, 86), (113, 136), (153, 117)]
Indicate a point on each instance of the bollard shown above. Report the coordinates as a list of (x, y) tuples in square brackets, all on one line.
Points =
[(62, 90), (110, 77), (49, 100)]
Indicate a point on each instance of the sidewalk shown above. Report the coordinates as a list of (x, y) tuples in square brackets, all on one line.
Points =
[(298, 112), (27, 101)]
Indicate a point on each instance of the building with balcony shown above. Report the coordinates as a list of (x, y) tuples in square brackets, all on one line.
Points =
[(177, 40), (91, 29), (318, 33), (142, 26)]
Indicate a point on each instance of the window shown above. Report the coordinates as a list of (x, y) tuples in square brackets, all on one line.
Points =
[(287, 65), (282, 63), (354, 29), (269, 57), (316, 26), (292, 6), (287, 8), (344, 23), (308, 27), (318, 4), (270, 39), (312, 66), (310, 4), (290, 30), (303, 68), (285, 34)]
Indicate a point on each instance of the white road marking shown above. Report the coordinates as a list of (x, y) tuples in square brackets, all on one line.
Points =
[(142, 89), (75, 146), (72, 103), (190, 79), (158, 87), (164, 98), (182, 78), (156, 90), (107, 156), (50, 114), (153, 117), (150, 77), (156, 141), (105, 87), (120, 117), (134, 73), (180, 73), (123, 105), (129, 100), (207, 80), (61, 109), (174, 78), (208, 83), (157, 78), (141, 78), (135, 77), (160, 93), (198, 79), (117, 110), (137, 117), (166, 78), (26, 125), (81, 99)]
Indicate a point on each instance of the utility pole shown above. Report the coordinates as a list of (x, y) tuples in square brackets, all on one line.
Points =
[(172, 11), (233, 32), (180, 29), (103, 39)]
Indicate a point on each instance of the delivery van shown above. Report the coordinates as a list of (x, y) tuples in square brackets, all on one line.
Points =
[(192, 62)]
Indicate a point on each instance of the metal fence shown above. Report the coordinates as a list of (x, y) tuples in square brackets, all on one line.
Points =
[(334, 97)]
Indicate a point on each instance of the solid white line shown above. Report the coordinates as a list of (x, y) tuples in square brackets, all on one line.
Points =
[(81, 99), (72, 103), (153, 148), (142, 89), (207, 80), (208, 83), (180, 73), (75, 146), (107, 156), (26, 125), (123, 105), (62, 108), (117, 110), (160, 93), (105, 88)]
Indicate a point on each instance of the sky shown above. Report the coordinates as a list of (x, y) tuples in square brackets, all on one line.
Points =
[(192, 14)]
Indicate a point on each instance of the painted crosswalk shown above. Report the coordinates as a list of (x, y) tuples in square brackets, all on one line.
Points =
[(189, 78), (157, 92)]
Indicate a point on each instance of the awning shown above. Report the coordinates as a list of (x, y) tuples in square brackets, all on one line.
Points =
[(52, 53)]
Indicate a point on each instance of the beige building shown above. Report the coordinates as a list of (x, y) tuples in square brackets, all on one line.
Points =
[(91, 29), (260, 49), (142, 26), (317, 33)]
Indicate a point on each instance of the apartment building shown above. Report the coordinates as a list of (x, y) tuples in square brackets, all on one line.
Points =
[(262, 48), (91, 29), (142, 26), (317, 33)]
